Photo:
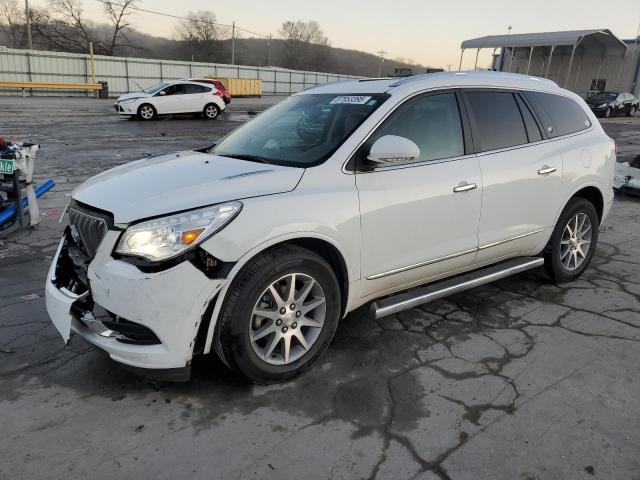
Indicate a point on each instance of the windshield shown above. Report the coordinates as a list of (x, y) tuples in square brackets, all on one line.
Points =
[(154, 88), (302, 131), (603, 97)]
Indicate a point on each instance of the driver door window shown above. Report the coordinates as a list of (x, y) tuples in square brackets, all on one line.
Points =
[(432, 123)]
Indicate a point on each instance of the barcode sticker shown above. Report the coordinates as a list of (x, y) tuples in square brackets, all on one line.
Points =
[(350, 100)]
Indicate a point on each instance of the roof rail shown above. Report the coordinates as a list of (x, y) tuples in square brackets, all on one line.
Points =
[(473, 73)]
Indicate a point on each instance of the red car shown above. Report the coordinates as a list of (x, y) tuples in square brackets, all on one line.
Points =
[(226, 96)]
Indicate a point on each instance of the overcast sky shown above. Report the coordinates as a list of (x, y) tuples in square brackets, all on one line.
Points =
[(426, 31)]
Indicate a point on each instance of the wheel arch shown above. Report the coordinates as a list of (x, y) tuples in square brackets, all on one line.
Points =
[(594, 195), (325, 247)]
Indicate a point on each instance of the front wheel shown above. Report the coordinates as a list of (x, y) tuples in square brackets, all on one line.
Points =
[(607, 112), (632, 112), (279, 315), (146, 112), (211, 111), (573, 241)]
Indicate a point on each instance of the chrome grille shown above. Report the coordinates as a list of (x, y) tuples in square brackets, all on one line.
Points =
[(89, 229)]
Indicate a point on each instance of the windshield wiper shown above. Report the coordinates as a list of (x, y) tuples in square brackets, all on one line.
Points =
[(250, 158)]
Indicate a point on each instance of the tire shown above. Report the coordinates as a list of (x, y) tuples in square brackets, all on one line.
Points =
[(607, 112), (211, 111), (632, 112), (240, 340), (147, 112), (564, 263)]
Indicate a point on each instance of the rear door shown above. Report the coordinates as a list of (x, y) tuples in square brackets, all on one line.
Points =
[(521, 174), (197, 97), (420, 219)]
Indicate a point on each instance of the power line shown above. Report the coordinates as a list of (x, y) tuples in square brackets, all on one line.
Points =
[(179, 17)]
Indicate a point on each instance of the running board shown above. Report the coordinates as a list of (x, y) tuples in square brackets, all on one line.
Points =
[(421, 295)]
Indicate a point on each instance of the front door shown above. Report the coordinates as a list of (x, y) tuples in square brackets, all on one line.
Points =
[(419, 219)]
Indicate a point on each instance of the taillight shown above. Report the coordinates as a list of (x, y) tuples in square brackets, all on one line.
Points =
[(217, 93)]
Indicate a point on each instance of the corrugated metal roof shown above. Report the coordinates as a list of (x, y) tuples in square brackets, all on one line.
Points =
[(544, 39)]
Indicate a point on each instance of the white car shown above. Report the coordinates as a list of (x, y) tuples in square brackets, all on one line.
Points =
[(340, 195), (171, 98)]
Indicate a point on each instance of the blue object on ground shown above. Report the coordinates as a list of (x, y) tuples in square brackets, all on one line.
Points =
[(9, 212)]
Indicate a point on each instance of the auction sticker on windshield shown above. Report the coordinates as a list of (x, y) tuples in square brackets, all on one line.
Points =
[(350, 99), (6, 166)]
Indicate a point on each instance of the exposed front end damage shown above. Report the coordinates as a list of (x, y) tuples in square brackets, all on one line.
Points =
[(148, 321)]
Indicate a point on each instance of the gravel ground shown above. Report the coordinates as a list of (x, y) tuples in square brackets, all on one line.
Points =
[(517, 380)]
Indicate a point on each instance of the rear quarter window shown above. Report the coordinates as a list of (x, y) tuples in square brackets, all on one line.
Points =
[(559, 115)]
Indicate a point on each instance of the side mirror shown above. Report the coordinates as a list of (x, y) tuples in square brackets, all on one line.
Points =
[(162, 93), (392, 149)]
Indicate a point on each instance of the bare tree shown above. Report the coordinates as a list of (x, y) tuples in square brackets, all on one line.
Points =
[(305, 44), (202, 35), (62, 26), (118, 14), (12, 23)]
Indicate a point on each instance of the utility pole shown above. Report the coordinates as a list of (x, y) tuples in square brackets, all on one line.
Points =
[(510, 27), (381, 53), (269, 51), (233, 43), (28, 20)]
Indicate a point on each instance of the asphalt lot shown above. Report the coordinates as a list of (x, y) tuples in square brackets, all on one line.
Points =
[(517, 380)]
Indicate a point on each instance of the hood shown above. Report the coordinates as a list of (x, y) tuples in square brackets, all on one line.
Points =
[(181, 181), (127, 96)]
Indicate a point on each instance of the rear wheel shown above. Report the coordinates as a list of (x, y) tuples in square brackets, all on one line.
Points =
[(573, 241), (279, 316), (146, 112), (211, 111)]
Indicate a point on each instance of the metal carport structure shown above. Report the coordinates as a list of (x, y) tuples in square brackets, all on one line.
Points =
[(602, 40)]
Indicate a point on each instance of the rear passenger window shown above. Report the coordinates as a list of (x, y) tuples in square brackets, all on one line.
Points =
[(191, 88), (533, 132), (432, 123), (497, 118), (560, 115)]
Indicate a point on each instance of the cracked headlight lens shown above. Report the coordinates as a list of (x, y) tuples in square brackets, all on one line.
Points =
[(167, 237)]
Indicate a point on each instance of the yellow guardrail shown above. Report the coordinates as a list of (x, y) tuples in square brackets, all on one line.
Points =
[(52, 85)]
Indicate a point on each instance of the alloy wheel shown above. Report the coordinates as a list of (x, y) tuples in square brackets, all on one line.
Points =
[(576, 241), (146, 112), (211, 112), (287, 319)]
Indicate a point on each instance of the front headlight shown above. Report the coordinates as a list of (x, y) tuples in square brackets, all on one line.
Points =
[(167, 237), (602, 105)]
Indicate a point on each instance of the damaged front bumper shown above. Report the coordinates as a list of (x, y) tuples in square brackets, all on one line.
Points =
[(627, 179), (147, 321)]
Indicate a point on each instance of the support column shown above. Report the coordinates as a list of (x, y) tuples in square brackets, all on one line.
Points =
[(461, 53), (553, 47), (566, 80), (475, 65), (529, 61)]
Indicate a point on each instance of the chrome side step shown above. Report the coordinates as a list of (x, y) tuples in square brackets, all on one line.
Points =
[(421, 295)]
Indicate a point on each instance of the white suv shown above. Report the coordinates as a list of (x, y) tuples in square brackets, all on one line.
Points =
[(342, 194)]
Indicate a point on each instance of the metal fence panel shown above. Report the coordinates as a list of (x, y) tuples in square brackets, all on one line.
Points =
[(130, 74)]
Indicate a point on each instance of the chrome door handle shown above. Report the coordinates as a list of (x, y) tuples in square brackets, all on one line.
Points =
[(546, 170), (465, 187)]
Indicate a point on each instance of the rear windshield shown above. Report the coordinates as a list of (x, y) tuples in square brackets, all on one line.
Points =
[(302, 131)]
